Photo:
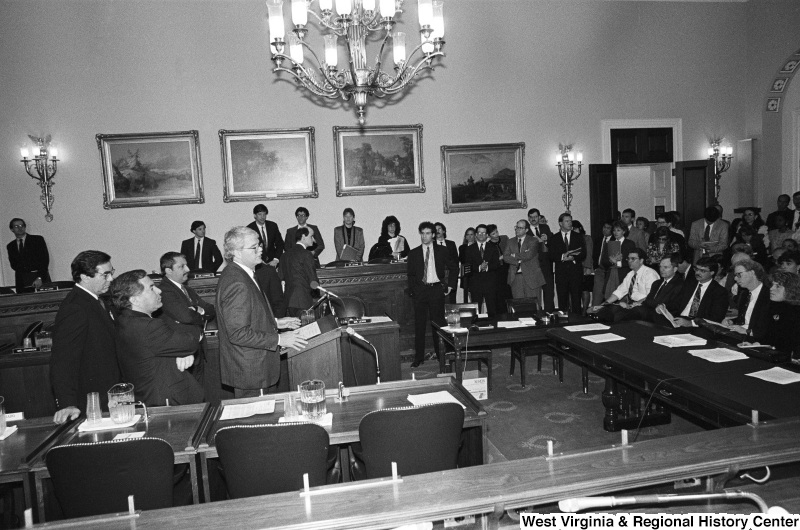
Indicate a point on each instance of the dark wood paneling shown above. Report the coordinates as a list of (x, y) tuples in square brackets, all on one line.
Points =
[(694, 188), (603, 204), (642, 146)]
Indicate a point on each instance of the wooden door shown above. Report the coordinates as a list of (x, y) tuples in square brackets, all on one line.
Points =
[(603, 203), (694, 188)]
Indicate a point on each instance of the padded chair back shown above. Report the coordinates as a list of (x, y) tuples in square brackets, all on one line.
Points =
[(96, 478), (420, 439), (522, 305), (266, 459), (337, 264), (348, 307)]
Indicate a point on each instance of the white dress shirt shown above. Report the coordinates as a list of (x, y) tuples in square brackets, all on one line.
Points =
[(645, 277)]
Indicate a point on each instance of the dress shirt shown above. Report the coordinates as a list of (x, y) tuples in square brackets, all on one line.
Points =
[(88, 291), (645, 277), (703, 289), (179, 286), (430, 274), (250, 272), (603, 245), (753, 299), (199, 241)]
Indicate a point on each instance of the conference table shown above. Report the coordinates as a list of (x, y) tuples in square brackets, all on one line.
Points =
[(348, 414), (719, 394)]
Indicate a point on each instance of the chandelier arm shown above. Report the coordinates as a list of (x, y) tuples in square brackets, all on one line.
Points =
[(405, 77), (326, 22), (309, 82)]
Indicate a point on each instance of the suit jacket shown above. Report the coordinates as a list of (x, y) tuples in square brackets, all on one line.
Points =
[(274, 246), (567, 269), (179, 307), (339, 241), (713, 305), (446, 268), (544, 254), (640, 238), (84, 356), (32, 263), (318, 246), (528, 256), (270, 284), (147, 348), (248, 332), (451, 247), (759, 319), (485, 281), (212, 257), (598, 249), (297, 267), (718, 238), (627, 247), (669, 295)]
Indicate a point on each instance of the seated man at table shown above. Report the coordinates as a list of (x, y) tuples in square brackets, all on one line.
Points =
[(153, 353), (632, 292), (752, 301), (700, 297)]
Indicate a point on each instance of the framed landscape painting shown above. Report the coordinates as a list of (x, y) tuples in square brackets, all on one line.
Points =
[(377, 160), (150, 169), (268, 164), (483, 177)]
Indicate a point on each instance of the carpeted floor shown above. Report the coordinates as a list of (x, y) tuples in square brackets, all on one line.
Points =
[(522, 420)]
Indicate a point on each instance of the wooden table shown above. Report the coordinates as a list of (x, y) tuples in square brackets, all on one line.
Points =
[(720, 394), (514, 337), (347, 416), (178, 426)]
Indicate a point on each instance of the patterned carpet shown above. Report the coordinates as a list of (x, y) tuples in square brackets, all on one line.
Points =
[(522, 420)]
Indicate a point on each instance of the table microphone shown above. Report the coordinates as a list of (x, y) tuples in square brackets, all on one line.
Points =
[(316, 286), (353, 333)]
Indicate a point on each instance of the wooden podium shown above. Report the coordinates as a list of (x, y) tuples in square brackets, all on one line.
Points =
[(321, 359)]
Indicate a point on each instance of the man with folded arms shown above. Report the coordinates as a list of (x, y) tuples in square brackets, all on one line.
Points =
[(631, 292)]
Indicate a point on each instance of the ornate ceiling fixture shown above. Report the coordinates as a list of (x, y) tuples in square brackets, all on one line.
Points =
[(356, 21)]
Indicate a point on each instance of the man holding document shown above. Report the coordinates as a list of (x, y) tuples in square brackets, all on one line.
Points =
[(568, 250)]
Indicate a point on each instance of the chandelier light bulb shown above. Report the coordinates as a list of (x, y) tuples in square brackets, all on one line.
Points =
[(275, 10), (580, 157), (425, 12), (344, 7), (295, 49), (438, 20), (559, 158), (368, 5), (331, 50), (24, 152), (388, 8), (299, 12), (399, 47), (53, 152), (326, 5)]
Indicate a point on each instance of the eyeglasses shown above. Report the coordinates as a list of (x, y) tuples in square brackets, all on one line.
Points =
[(633, 259), (739, 274), (255, 247), (520, 228), (17, 226), (107, 274), (702, 271)]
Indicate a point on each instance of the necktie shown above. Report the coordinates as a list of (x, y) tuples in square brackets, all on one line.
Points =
[(743, 312), (20, 246), (481, 250), (631, 286), (263, 238), (707, 233), (695, 302), (519, 265), (186, 293), (566, 241), (197, 256), (663, 283), (536, 230), (427, 262)]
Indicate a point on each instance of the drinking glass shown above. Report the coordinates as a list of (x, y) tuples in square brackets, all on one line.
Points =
[(93, 411), (121, 403), (312, 396), (307, 317), (453, 318), (2, 416), (291, 406)]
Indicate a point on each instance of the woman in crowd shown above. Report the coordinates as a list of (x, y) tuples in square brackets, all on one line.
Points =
[(588, 269), (749, 236), (469, 239), (750, 217), (661, 245), (615, 258), (390, 228), (503, 290), (783, 329)]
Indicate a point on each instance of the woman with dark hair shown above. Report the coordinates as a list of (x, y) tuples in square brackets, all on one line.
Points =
[(749, 236), (615, 258), (587, 285), (387, 246), (783, 326), (469, 239), (750, 217), (661, 246)]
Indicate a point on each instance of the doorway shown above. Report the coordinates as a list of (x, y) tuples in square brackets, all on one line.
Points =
[(644, 188)]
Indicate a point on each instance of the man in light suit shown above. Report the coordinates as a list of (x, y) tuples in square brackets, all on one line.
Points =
[(522, 254), (269, 235), (201, 252), (297, 266), (708, 236), (568, 250), (301, 214), (249, 340), (542, 232), (28, 256), (349, 235)]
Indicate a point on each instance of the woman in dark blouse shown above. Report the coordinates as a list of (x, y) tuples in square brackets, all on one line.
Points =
[(783, 329), (469, 239), (390, 228)]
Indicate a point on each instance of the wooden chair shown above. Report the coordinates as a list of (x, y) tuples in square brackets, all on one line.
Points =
[(96, 478), (518, 351), (479, 356)]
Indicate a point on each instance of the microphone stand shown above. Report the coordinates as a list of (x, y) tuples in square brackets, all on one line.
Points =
[(350, 331)]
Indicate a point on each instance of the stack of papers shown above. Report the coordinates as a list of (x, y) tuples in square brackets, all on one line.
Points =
[(510, 324), (679, 341), (603, 337), (245, 410), (719, 355), (324, 421), (587, 327), (443, 396), (780, 376), (528, 321)]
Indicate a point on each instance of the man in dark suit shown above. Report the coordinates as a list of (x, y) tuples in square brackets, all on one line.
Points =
[(524, 267), (431, 276), (301, 214), (268, 234), (84, 356), (543, 232), (297, 266), (270, 284), (782, 211), (664, 292), (154, 353), (249, 340), (600, 270), (440, 238), (483, 259), (201, 252), (28, 256), (700, 297), (181, 304), (753, 301), (567, 251)]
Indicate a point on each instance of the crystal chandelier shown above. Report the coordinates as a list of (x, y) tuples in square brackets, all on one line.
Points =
[(355, 21), (565, 162)]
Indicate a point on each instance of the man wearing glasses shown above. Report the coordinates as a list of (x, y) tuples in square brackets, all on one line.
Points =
[(631, 292), (752, 300), (522, 254), (249, 337), (28, 256), (84, 357)]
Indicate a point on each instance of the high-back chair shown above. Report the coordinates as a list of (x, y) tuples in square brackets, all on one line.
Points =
[(420, 439), (266, 459), (96, 478)]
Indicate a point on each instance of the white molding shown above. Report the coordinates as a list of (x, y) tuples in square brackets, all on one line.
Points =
[(796, 149)]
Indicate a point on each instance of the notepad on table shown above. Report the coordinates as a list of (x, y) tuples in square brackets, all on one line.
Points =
[(587, 327), (443, 396), (245, 410), (603, 337), (780, 376), (719, 355)]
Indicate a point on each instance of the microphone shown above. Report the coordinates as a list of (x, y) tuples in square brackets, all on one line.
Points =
[(350, 331), (316, 286), (584, 503)]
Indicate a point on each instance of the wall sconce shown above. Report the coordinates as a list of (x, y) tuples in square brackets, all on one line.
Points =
[(722, 161), (565, 162), (43, 160)]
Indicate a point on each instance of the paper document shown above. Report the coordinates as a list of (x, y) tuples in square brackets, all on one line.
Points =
[(128, 435), (443, 396), (11, 429), (528, 321), (382, 318), (456, 329), (719, 355), (324, 421), (668, 316), (245, 410), (397, 243), (781, 376), (510, 324), (587, 327), (349, 253), (679, 341), (107, 424), (603, 337), (308, 331)]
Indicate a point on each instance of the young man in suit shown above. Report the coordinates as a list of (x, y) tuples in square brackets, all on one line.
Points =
[(700, 297), (301, 214), (183, 305), (84, 356), (540, 230), (298, 269), (28, 256), (154, 353), (708, 236), (350, 235), (567, 251), (753, 301), (452, 249), (432, 275), (249, 340), (484, 261), (522, 255), (201, 252), (269, 235), (639, 237)]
